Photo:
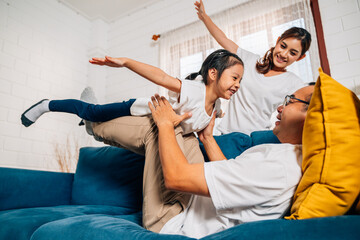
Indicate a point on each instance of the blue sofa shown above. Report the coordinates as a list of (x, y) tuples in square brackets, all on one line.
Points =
[(102, 201)]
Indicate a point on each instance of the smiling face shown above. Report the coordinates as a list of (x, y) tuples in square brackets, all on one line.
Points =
[(286, 52), (291, 118), (229, 81)]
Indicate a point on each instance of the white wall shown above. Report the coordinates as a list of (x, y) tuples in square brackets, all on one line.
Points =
[(43, 54), (341, 22)]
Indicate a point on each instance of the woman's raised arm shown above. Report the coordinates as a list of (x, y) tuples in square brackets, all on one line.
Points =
[(214, 30)]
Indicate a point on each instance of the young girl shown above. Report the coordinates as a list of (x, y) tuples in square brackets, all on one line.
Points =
[(219, 77), (265, 80)]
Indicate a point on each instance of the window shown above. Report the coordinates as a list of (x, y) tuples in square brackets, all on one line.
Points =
[(255, 42), (190, 64)]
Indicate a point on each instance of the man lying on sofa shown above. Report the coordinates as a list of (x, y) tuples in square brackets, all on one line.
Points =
[(183, 195)]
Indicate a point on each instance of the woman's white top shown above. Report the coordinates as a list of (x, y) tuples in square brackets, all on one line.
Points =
[(191, 99), (257, 185), (250, 108)]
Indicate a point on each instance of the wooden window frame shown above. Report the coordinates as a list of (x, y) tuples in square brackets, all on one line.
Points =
[(324, 62)]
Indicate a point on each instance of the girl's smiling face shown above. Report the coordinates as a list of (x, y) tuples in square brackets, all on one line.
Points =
[(286, 52), (229, 81)]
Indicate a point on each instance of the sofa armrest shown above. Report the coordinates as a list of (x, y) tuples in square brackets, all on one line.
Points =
[(20, 188)]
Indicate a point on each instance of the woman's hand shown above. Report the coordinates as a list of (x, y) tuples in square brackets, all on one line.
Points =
[(199, 6), (109, 61), (207, 132), (163, 114)]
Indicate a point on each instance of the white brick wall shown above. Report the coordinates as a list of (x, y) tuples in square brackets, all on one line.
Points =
[(341, 21), (43, 54)]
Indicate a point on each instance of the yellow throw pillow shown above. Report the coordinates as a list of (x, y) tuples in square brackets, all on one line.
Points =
[(331, 153), (357, 206)]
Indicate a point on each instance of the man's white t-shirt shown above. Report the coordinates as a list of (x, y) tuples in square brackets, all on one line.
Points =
[(190, 99), (250, 108), (257, 185)]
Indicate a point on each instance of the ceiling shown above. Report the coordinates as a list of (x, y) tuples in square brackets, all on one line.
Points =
[(108, 10)]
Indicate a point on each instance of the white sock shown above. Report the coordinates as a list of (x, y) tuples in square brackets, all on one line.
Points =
[(37, 110)]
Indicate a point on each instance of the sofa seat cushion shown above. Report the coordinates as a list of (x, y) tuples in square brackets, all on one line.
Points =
[(20, 224), (327, 228), (99, 227)]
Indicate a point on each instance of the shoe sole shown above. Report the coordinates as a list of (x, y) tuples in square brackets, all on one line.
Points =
[(24, 120)]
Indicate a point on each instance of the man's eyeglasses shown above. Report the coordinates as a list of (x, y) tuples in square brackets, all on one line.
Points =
[(289, 97)]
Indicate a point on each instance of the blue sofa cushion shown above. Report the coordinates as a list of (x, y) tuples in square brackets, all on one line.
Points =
[(234, 144), (263, 137), (20, 224), (108, 176), (99, 227)]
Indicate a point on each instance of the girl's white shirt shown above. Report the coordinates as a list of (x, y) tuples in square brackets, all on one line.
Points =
[(251, 107), (190, 99)]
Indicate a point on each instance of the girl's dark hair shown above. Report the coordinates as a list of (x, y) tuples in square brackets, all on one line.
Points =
[(265, 64), (220, 60)]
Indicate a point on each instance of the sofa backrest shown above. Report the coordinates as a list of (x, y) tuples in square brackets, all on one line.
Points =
[(108, 176), (234, 144)]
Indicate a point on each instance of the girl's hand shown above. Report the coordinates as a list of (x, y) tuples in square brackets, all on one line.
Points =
[(163, 114), (207, 132), (109, 61), (199, 6)]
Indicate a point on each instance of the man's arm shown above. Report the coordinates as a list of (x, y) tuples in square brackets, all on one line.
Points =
[(214, 30), (154, 74), (179, 175)]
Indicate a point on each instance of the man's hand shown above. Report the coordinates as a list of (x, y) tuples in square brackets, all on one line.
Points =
[(109, 61), (207, 132), (163, 114)]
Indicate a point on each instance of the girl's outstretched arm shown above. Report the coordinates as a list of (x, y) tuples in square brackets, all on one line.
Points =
[(214, 30), (154, 74)]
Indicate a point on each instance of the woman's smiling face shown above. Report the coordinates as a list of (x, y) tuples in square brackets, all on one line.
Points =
[(286, 52)]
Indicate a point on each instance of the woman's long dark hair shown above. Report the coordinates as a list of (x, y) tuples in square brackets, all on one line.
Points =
[(220, 60), (265, 64)]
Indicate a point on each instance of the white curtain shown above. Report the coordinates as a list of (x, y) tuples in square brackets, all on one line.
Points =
[(254, 25)]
